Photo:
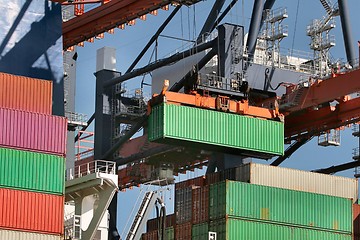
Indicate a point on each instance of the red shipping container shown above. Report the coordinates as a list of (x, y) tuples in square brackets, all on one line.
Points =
[(33, 131), (153, 235), (153, 224), (198, 181), (200, 205), (183, 231), (356, 214), (31, 211), (24, 93)]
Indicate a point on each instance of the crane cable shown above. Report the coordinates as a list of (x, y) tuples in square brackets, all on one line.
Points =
[(296, 20)]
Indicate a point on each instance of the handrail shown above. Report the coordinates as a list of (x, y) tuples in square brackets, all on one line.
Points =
[(97, 166)]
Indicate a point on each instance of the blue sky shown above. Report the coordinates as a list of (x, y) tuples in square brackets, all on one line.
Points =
[(187, 24)]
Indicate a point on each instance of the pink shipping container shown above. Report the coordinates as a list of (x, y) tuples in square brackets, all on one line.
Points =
[(24, 93), (183, 231), (200, 205), (33, 131), (356, 214), (30, 211)]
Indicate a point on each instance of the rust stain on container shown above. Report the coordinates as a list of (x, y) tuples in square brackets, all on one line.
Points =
[(200, 205), (183, 231), (30, 211), (356, 216), (33, 131), (24, 93)]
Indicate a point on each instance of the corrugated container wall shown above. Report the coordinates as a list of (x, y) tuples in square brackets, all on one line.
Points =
[(32, 171), (31, 211), (190, 126), (23, 93), (298, 180), (183, 205), (239, 229), (200, 205), (200, 231), (152, 235), (33, 131), (153, 224), (356, 218), (183, 231), (170, 233), (282, 206), (17, 235)]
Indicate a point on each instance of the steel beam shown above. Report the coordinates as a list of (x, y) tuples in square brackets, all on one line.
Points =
[(160, 63), (290, 150), (338, 168), (224, 13), (254, 28), (154, 37), (347, 35), (210, 21)]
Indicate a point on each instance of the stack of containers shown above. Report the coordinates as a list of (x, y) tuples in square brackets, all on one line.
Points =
[(266, 202), (32, 161)]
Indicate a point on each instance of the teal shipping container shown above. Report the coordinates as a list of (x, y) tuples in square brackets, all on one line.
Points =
[(31, 171), (220, 131), (239, 229), (282, 206), (200, 231)]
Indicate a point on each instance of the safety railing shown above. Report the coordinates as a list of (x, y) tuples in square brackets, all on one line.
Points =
[(97, 166)]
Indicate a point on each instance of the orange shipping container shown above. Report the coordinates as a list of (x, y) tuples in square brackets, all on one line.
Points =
[(356, 213), (30, 211), (24, 93)]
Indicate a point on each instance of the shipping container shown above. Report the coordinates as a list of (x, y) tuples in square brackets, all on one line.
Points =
[(31, 211), (24, 93), (183, 205), (170, 233), (33, 131), (198, 181), (356, 219), (225, 132), (212, 178), (200, 231), (152, 235), (236, 229), (32, 171), (153, 224), (200, 205), (298, 180), (18, 235), (183, 231), (288, 207)]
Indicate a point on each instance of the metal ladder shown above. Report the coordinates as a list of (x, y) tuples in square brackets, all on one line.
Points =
[(142, 215)]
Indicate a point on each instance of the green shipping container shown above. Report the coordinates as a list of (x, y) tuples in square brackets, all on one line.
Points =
[(169, 233), (200, 231), (283, 206), (32, 171), (239, 229), (227, 132)]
